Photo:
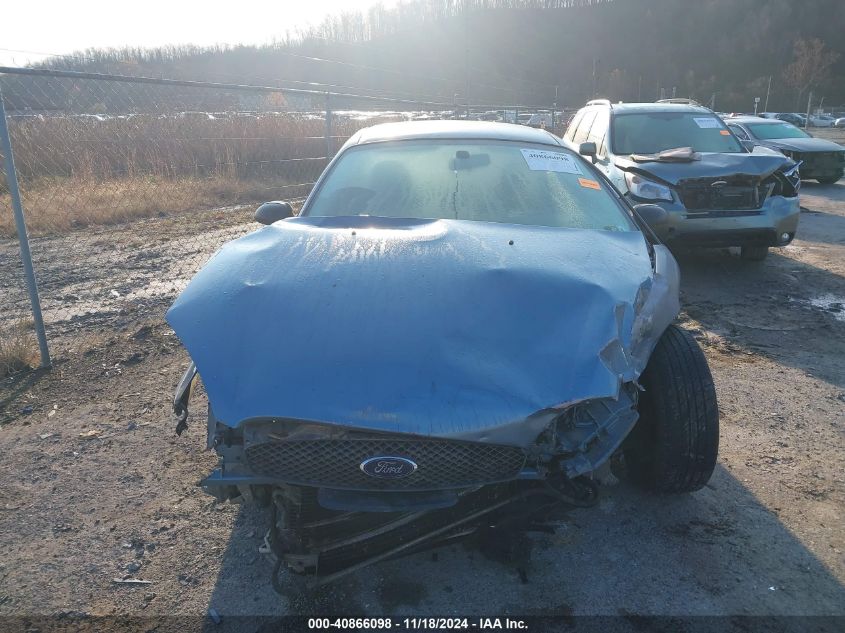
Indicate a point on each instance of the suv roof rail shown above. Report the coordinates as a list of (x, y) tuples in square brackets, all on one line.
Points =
[(679, 100), (595, 102)]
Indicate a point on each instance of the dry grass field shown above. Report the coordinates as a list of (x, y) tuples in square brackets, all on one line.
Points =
[(79, 171)]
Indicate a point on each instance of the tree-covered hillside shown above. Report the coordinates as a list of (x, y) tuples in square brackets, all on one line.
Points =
[(519, 51)]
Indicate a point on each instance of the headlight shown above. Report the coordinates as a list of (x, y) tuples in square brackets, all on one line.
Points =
[(647, 189), (793, 171)]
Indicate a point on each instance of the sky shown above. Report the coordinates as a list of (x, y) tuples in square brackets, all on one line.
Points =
[(33, 27)]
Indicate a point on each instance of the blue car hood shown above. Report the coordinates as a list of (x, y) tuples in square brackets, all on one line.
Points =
[(442, 328)]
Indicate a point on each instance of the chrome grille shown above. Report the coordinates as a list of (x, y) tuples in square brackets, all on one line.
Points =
[(336, 463), (815, 158)]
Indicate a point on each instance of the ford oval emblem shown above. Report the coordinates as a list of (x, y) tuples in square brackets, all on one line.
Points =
[(388, 467)]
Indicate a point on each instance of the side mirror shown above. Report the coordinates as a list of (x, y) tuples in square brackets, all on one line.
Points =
[(651, 213), (588, 149), (748, 144), (270, 212)]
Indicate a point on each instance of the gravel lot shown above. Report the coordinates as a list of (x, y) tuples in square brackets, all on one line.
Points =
[(96, 487)]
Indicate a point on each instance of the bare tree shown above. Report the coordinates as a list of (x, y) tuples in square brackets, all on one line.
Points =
[(811, 66)]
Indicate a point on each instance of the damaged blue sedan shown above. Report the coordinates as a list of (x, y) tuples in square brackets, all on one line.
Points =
[(464, 319)]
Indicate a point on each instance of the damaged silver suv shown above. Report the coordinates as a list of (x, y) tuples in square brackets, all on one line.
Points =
[(683, 157), (464, 319)]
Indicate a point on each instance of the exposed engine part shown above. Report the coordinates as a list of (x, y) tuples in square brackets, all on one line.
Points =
[(183, 396), (326, 545)]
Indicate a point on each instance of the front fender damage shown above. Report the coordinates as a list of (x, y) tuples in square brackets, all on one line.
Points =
[(443, 333)]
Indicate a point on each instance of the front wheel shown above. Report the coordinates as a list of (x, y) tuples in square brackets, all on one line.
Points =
[(674, 444), (754, 253), (829, 180)]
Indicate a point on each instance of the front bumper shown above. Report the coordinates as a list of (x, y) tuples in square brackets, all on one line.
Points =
[(267, 453), (719, 228), (818, 164)]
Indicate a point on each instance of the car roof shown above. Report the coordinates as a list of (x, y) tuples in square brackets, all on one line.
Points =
[(475, 130), (753, 119), (622, 108)]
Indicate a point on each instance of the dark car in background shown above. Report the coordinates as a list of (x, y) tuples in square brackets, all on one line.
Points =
[(819, 159), (791, 117), (682, 157)]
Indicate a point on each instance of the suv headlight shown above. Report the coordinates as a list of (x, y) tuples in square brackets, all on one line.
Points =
[(647, 189)]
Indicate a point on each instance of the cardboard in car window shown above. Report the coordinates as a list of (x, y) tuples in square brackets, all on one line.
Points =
[(542, 160)]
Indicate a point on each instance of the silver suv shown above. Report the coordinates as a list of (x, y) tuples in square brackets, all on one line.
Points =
[(682, 157)]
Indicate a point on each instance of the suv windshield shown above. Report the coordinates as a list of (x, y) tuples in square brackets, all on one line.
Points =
[(653, 132), (768, 131), (486, 181)]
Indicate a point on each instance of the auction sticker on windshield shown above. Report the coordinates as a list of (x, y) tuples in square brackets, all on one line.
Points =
[(707, 122), (542, 160)]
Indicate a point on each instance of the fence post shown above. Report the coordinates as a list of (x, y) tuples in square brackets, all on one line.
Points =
[(23, 239), (329, 143)]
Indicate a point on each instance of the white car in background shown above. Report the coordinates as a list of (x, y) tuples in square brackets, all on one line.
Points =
[(821, 120)]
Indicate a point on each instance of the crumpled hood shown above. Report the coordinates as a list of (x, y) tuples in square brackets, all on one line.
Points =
[(761, 162), (433, 327), (803, 145)]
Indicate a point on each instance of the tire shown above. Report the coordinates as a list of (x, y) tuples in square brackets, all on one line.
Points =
[(829, 180), (754, 253), (674, 445)]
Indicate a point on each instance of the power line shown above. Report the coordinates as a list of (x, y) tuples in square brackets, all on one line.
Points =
[(312, 58), (206, 84), (174, 63)]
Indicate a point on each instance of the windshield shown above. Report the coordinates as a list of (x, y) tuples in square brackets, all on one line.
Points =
[(485, 181), (767, 131), (653, 132)]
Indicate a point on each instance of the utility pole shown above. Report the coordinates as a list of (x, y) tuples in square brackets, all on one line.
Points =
[(640, 90), (466, 54), (809, 104), (594, 78), (768, 90)]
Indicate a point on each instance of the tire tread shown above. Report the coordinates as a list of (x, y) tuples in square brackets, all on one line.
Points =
[(678, 449)]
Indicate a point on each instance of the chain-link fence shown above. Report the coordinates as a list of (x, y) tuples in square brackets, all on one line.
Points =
[(128, 185)]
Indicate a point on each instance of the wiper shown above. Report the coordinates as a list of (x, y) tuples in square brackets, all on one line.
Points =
[(455, 195), (676, 155)]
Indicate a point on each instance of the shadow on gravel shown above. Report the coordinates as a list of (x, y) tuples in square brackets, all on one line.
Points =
[(716, 552), (13, 387), (786, 310)]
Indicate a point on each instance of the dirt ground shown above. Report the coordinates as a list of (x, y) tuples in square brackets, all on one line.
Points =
[(95, 486)]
